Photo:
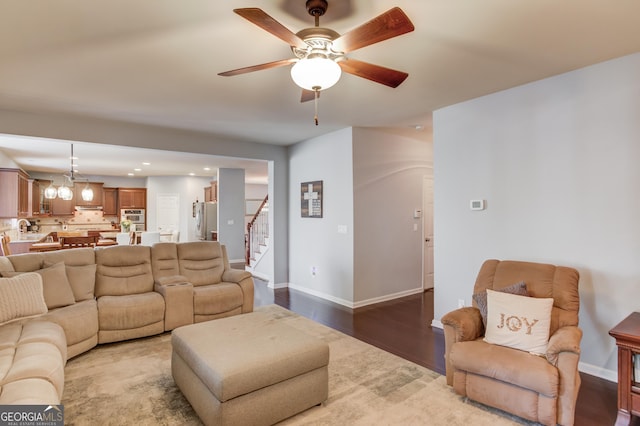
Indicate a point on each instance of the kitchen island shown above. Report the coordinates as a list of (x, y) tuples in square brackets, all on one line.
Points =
[(31, 242)]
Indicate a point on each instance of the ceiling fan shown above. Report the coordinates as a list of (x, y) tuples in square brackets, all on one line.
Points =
[(320, 53)]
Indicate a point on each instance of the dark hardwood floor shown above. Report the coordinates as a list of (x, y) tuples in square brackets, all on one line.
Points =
[(403, 327)]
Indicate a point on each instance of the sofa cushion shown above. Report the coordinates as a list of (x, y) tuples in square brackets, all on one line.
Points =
[(481, 297), (123, 270), (518, 322), (129, 312), (55, 285), (201, 262), (37, 360), (164, 260), (506, 365), (32, 359), (79, 321), (216, 298), (82, 279), (32, 391), (5, 264), (21, 297)]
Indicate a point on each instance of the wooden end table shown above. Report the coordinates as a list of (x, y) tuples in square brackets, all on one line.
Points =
[(627, 335)]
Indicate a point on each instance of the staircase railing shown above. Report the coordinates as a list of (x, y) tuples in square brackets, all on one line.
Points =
[(257, 230)]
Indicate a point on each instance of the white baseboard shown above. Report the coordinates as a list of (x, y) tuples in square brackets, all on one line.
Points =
[(275, 286), (322, 295), (263, 277), (437, 324), (354, 305), (600, 372), (387, 297)]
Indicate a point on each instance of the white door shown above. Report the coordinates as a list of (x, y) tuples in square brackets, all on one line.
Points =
[(427, 217)]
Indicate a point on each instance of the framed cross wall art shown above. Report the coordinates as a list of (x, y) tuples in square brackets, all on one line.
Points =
[(311, 199)]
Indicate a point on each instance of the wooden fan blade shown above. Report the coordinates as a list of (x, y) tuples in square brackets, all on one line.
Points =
[(260, 67), (382, 75), (390, 24), (260, 18), (308, 95)]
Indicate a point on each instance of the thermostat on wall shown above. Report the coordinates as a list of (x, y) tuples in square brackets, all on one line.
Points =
[(476, 204)]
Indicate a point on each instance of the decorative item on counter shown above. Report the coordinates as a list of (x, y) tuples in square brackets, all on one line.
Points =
[(125, 225)]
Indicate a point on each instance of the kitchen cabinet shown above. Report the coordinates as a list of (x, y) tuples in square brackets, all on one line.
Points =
[(40, 206), (110, 201), (132, 198), (211, 192), (34, 198), (60, 207), (97, 194), (15, 197)]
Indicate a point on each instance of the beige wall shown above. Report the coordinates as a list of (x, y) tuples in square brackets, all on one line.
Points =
[(364, 248), (557, 163)]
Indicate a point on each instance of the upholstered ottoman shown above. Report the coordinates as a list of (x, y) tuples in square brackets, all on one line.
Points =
[(248, 369)]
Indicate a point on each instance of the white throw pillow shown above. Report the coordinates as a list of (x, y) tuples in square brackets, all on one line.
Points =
[(519, 322), (21, 297)]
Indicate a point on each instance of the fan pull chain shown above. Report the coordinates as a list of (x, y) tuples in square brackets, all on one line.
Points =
[(315, 101)]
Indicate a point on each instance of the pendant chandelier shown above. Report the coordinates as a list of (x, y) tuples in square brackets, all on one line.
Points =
[(64, 192)]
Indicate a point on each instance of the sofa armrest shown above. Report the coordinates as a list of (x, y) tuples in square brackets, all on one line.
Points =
[(565, 339), (465, 322), (460, 325), (563, 352), (178, 301), (245, 280), (235, 275)]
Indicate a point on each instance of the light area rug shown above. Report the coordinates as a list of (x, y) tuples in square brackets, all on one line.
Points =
[(130, 383)]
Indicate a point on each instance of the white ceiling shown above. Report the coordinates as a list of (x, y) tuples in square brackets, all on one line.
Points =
[(54, 156), (156, 61)]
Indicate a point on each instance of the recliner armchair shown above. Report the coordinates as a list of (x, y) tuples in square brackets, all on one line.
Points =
[(539, 388)]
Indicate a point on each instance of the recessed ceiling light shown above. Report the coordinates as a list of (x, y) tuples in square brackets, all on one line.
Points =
[(207, 169), (131, 174), (146, 164), (192, 174), (137, 170)]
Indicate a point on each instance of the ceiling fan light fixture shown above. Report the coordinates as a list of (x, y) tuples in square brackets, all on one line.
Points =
[(316, 72)]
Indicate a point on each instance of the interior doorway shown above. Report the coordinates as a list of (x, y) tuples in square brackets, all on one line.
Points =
[(427, 237)]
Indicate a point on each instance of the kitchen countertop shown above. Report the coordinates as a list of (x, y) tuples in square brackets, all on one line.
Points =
[(45, 246), (29, 236)]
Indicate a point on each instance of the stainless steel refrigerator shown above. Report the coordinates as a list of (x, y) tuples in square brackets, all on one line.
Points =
[(206, 220)]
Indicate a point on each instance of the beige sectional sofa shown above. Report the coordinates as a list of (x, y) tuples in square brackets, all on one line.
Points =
[(104, 295)]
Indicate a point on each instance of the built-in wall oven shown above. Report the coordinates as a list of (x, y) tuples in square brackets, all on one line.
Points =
[(136, 216)]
